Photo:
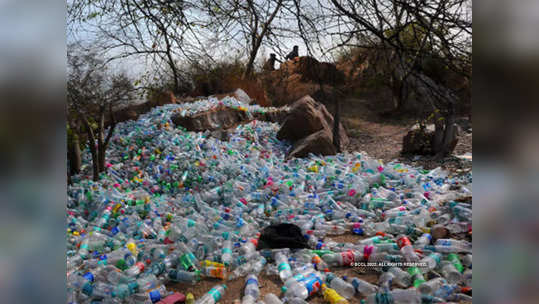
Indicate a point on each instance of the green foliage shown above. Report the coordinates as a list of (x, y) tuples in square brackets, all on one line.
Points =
[(411, 36)]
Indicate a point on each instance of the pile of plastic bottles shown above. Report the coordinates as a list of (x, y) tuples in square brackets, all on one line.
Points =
[(177, 206)]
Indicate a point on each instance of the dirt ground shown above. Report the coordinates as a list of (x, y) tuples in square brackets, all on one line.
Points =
[(381, 137)]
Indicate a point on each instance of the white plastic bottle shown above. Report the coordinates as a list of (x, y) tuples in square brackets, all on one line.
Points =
[(251, 291), (213, 296), (342, 287)]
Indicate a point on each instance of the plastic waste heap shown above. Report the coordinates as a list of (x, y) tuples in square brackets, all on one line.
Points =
[(177, 206)]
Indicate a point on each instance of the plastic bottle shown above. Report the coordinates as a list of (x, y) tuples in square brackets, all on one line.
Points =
[(454, 259), (282, 264), (304, 288), (401, 277), (417, 276), (215, 272), (450, 272), (179, 275), (457, 244), (189, 298), (345, 258), (213, 296), (226, 253), (423, 240), (342, 287), (147, 282), (331, 296), (150, 296), (411, 296), (362, 287), (135, 270), (271, 298), (432, 285), (431, 261), (407, 249), (251, 291)]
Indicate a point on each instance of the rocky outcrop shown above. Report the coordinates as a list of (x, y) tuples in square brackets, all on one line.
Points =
[(302, 76), (419, 140), (309, 126), (217, 118)]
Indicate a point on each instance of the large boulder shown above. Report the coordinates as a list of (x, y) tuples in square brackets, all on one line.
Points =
[(318, 143), (217, 118), (309, 126), (419, 140)]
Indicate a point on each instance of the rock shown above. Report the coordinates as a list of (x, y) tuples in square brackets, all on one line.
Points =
[(417, 141), (300, 77), (438, 232), (309, 126), (218, 118), (318, 143)]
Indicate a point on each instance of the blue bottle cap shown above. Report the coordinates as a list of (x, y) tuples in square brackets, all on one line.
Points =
[(89, 276), (155, 296)]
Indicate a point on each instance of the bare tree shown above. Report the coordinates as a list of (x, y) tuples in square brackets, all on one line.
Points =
[(404, 34), (161, 32), (93, 93), (249, 23)]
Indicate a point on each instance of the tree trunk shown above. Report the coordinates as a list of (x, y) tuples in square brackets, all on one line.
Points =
[(249, 68), (91, 145), (74, 155), (336, 125), (101, 140), (445, 135)]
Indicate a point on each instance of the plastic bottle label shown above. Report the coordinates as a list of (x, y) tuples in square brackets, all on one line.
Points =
[(313, 285), (347, 257), (215, 294), (252, 281), (404, 241), (284, 266)]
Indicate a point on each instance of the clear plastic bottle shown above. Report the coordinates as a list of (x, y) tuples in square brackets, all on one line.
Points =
[(362, 287), (411, 296), (251, 291), (401, 277), (281, 260), (423, 240), (345, 258), (271, 298), (303, 288), (450, 273), (213, 296), (460, 244), (342, 287), (150, 296), (407, 249), (147, 282), (135, 270), (179, 275), (432, 285), (431, 261), (226, 253)]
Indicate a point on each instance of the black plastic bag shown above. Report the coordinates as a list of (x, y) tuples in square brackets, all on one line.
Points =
[(282, 236)]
